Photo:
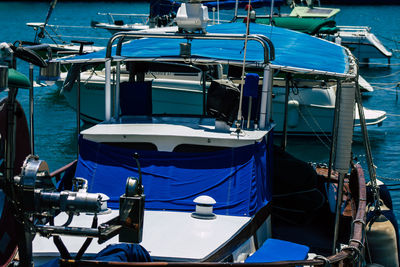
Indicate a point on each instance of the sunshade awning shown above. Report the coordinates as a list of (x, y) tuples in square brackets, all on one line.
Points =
[(294, 51)]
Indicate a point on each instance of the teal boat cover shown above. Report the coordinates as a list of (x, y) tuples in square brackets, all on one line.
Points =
[(292, 49)]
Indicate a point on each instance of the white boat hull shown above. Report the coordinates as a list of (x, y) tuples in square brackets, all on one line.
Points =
[(311, 109), (361, 42)]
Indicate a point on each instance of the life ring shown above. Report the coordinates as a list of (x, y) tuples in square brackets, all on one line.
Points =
[(8, 233)]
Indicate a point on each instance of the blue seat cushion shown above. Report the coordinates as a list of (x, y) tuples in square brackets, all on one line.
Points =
[(278, 250)]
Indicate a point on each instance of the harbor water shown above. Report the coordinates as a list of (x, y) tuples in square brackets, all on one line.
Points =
[(55, 121)]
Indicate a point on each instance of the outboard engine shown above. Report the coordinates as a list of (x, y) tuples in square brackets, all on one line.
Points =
[(192, 17)]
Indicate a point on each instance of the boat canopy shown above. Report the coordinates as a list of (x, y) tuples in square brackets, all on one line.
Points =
[(294, 51)]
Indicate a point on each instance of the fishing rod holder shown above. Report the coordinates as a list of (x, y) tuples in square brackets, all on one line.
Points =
[(53, 71)]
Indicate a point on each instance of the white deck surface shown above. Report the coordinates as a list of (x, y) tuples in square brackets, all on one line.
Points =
[(166, 235)]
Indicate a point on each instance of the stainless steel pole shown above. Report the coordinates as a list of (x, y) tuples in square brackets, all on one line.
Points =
[(78, 107), (31, 111), (284, 135)]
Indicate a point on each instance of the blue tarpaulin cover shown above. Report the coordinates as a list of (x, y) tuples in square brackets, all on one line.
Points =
[(239, 179), (293, 49), (114, 253), (279, 250)]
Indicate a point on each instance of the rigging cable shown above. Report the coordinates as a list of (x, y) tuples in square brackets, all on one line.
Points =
[(239, 115)]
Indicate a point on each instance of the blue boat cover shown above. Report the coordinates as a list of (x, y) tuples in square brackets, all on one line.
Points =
[(278, 250), (293, 49), (239, 179), (114, 253)]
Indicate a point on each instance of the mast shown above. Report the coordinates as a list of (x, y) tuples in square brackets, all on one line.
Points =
[(41, 33)]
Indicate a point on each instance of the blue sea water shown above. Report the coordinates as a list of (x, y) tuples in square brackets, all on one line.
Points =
[(55, 121)]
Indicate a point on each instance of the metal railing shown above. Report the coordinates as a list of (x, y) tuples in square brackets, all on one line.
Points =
[(269, 50)]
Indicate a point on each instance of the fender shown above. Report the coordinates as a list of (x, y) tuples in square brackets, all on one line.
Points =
[(8, 233)]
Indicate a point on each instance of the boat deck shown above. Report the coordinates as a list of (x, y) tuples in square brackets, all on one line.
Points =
[(166, 235)]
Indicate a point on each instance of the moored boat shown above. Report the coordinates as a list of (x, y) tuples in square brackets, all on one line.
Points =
[(319, 21), (312, 99), (183, 157)]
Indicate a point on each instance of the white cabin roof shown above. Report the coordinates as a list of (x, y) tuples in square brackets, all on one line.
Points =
[(168, 132)]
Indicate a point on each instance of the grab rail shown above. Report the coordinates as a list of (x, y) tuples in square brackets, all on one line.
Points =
[(269, 50)]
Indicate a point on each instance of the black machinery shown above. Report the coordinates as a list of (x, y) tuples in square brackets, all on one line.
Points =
[(34, 198)]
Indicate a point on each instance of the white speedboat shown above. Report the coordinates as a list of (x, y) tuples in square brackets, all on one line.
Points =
[(310, 108), (362, 42), (57, 46), (319, 21), (161, 14)]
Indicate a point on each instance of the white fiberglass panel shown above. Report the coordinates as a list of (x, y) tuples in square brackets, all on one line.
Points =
[(166, 235)]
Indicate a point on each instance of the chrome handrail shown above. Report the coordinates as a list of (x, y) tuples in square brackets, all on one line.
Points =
[(269, 50)]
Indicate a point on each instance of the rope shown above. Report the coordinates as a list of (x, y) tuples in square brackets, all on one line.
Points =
[(394, 83), (359, 221), (353, 249), (394, 115), (388, 179), (315, 120), (385, 76), (83, 37), (379, 64), (327, 262), (387, 38), (358, 241), (386, 88), (315, 133), (239, 115)]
